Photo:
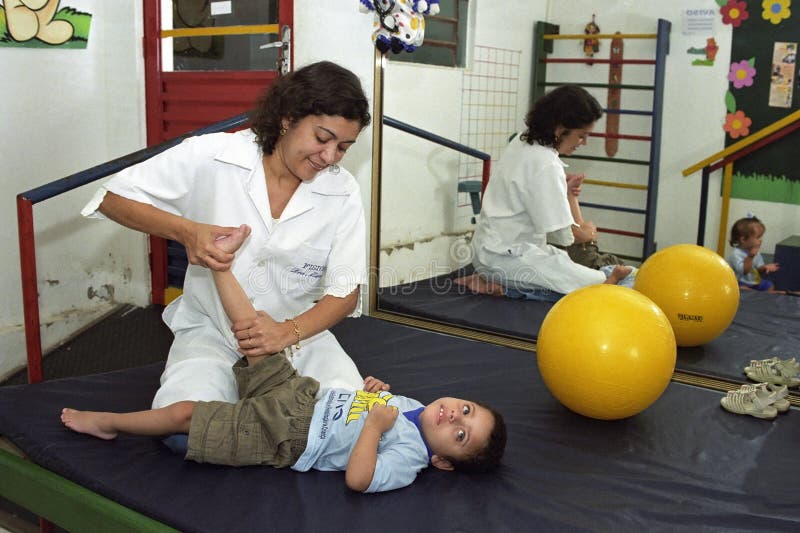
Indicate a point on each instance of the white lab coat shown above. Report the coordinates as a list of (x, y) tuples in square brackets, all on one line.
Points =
[(317, 247), (524, 206)]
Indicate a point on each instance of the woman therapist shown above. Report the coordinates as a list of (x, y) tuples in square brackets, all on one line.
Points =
[(305, 259), (529, 202)]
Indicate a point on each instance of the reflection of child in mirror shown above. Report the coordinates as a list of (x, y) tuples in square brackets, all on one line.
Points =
[(745, 257)]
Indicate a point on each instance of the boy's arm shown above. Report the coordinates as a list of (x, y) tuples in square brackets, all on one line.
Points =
[(364, 457)]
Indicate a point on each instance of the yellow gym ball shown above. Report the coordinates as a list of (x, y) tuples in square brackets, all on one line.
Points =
[(606, 351), (696, 289)]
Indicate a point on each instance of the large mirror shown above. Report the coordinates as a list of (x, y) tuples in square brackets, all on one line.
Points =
[(444, 125), (427, 187)]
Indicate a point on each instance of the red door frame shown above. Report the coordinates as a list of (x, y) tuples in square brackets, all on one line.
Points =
[(155, 81)]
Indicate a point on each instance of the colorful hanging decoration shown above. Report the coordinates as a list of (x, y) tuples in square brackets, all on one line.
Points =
[(776, 11), (591, 45), (614, 94), (742, 72), (733, 12), (709, 51), (399, 24), (737, 124)]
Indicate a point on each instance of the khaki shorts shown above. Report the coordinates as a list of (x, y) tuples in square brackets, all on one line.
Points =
[(268, 426), (589, 255)]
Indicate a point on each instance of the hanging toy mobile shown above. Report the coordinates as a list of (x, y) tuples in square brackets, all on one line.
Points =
[(591, 45), (399, 24)]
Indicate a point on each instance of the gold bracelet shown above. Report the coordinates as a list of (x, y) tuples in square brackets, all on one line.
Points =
[(296, 332)]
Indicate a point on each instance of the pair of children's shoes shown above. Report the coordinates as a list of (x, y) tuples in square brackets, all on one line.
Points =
[(774, 370), (761, 400)]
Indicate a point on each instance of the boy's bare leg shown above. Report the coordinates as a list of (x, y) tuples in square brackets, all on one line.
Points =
[(234, 300), (174, 418), (619, 273), (479, 285)]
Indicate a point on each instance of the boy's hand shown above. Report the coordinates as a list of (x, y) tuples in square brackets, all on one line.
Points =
[(619, 273), (754, 250), (373, 384), (771, 267), (381, 417)]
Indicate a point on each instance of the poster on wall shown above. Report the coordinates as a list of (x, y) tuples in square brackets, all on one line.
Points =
[(698, 21), (42, 24), (782, 78), (759, 94)]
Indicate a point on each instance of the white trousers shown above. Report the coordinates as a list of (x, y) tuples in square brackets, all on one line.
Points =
[(200, 359)]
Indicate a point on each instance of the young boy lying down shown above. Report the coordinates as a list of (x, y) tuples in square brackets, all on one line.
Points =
[(379, 439)]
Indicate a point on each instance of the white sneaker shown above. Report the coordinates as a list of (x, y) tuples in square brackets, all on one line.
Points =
[(746, 402), (771, 394), (757, 362), (780, 372)]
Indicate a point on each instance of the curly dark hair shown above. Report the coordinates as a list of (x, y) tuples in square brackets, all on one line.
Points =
[(569, 106), (489, 456), (744, 228), (322, 88)]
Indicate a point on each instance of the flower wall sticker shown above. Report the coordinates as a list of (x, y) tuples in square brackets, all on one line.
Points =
[(742, 73), (737, 124), (733, 12), (776, 10)]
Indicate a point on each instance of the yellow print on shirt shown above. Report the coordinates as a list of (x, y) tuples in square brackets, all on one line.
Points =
[(363, 402)]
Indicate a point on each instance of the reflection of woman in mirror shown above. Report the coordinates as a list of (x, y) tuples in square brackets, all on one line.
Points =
[(529, 203)]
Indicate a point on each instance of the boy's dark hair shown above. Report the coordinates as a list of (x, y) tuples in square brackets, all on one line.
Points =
[(743, 228), (489, 456), (322, 88), (569, 106)]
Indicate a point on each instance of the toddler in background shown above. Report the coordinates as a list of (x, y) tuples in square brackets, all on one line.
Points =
[(745, 257)]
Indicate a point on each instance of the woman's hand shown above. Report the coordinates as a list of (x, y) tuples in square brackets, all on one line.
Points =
[(262, 335), (586, 232), (198, 239)]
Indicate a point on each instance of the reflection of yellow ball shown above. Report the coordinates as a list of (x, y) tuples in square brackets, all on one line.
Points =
[(606, 351), (696, 289)]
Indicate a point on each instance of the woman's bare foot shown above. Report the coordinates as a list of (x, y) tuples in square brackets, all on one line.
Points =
[(619, 273), (231, 243), (88, 422), (480, 285)]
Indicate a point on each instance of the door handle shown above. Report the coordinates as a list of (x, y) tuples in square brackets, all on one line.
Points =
[(284, 56)]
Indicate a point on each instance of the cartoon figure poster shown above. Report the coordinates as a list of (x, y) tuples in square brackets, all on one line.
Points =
[(42, 24), (784, 56)]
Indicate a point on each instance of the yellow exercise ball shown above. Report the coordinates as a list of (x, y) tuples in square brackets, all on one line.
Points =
[(606, 351), (696, 289)]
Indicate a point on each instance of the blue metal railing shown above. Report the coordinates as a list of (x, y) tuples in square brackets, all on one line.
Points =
[(54, 188), (402, 126)]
